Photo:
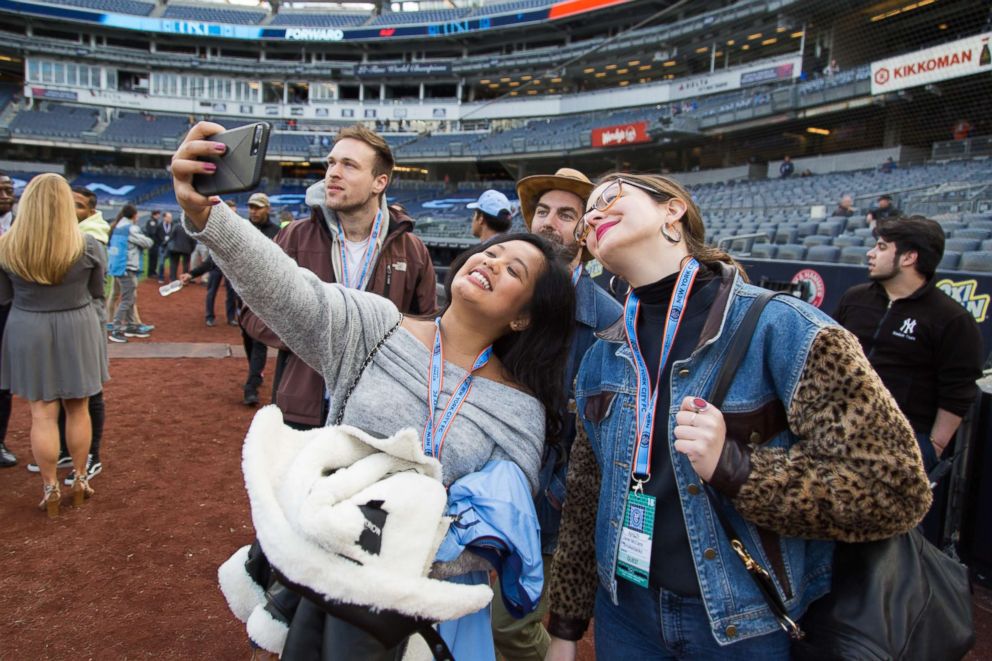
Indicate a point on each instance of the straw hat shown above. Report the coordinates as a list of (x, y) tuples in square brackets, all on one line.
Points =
[(530, 190)]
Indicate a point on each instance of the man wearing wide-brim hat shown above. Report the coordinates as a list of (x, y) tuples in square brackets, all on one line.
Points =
[(552, 205)]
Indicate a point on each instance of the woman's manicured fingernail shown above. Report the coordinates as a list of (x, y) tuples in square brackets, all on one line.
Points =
[(220, 147), (209, 167), (699, 403)]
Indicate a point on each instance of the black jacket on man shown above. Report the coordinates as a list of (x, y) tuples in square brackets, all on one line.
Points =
[(926, 347)]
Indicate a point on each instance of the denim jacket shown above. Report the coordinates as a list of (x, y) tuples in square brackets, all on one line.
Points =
[(815, 449), (595, 310)]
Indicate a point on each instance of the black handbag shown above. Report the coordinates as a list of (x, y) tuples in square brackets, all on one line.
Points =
[(896, 598)]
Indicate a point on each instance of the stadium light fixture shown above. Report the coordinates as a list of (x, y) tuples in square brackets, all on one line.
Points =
[(556, 80), (769, 42), (797, 35), (633, 63), (484, 81), (719, 53), (526, 78), (746, 47), (504, 80), (817, 131), (494, 85), (611, 67), (731, 42), (601, 74), (624, 83), (669, 63), (515, 84), (942, 26), (752, 37), (644, 67), (589, 70), (531, 92), (781, 28), (621, 72), (703, 49)]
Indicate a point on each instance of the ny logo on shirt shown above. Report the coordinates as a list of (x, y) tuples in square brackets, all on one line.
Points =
[(908, 326)]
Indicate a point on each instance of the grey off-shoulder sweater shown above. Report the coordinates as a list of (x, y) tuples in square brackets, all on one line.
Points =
[(334, 329)]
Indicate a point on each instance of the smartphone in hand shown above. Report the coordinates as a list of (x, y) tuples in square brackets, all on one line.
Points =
[(240, 167)]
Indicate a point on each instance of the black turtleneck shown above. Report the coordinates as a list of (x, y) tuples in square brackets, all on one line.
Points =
[(672, 567)]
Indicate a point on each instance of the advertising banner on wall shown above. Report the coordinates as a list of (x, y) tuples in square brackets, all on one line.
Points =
[(954, 59), (731, 79), (619, 136)]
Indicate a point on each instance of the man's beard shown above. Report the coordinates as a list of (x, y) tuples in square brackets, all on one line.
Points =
[(351, 207), (567, 253), (885, 275)]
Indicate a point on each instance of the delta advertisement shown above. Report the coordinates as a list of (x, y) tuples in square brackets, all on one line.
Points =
[(622, 135), (954, 59), (557, 11), (736, 78)]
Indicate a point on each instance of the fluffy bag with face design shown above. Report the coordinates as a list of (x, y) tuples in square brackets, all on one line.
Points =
[(353, 518)]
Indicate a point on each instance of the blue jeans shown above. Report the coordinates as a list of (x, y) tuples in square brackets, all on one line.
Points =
[(654, 625)]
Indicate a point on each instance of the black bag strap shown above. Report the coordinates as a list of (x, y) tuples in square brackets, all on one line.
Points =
[(361, 370), (739, 344)]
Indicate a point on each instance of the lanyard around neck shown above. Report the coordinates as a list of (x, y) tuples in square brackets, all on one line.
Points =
[(433, 438), (647, 397), (576, 274), (367, 258)]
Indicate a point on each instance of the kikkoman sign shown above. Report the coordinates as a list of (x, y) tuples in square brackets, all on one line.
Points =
[(963, 57)]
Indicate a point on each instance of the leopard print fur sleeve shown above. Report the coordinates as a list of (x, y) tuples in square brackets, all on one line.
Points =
[(572, 588), (856, 474)]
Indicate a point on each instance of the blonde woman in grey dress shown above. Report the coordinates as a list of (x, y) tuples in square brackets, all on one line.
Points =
[(53, 347)]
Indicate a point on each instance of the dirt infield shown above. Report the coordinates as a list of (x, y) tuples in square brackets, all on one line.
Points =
[(132, 574)]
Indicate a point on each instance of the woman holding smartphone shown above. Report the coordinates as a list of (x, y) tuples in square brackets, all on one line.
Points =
[(494, 357), (808, 445)]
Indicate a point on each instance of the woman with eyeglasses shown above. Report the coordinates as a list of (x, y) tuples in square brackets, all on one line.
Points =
[(807, 445)]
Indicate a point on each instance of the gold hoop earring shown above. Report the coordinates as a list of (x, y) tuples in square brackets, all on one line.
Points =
[(669, 237)]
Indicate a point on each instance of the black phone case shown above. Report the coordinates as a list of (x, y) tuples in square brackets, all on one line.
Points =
[(240, 167)]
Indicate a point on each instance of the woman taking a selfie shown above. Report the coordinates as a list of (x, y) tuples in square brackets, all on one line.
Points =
[(807, 445), (497, 351), (53, 347)]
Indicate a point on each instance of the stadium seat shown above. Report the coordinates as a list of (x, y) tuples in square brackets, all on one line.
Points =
[(987, 244), (830, 228), (962, 245), (853, 255), (980, 260), (847, 240), (950, 261), (764, 250), (817, 240), (971, 233), (823, 253), (786, 235), (863, 232), (806, 229), (792, 252)]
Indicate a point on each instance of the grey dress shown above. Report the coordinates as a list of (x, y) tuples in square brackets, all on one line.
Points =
[(54, 345)]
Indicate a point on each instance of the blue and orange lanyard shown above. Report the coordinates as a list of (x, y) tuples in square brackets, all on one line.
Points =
[(370, 251), (647, 398), (433, 438)]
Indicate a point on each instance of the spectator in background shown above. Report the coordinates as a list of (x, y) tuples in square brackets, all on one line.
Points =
[(492, 215), (53, 347), (180, 247), (285, 218), (256, 351), (883, 209), (162, 237), (151, 231), (845, 208), (7, 458), (924, 345), (889, 166), (215, 277), (6, 202), (831, 69), (344, 207), (787, 167), (124, 261)]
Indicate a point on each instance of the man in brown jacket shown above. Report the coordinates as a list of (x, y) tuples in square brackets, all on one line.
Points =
[(352, 238)]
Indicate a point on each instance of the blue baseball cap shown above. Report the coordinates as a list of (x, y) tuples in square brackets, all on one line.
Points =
[(491, 202)]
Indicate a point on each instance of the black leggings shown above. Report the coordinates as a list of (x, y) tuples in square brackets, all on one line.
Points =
[(97, 416)]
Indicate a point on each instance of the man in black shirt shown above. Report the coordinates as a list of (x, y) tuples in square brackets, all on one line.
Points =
[(925, 346), (885, 209)]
